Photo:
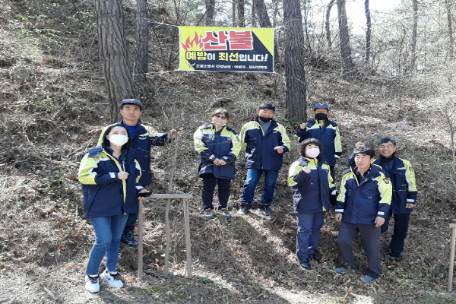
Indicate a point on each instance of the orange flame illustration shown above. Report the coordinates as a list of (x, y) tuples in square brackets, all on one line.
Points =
[(194, 44)]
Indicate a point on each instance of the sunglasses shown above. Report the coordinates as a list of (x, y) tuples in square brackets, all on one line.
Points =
[(220, 116)]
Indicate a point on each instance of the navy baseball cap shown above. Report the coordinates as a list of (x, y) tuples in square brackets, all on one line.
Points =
[(321, 105), (131, 101), (266, 106)]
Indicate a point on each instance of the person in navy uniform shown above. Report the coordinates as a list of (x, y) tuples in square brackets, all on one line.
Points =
[(362, 205), (218, 147), (402, 176)]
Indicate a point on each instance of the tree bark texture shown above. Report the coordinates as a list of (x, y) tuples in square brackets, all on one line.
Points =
[(233, 8), (142, 45), (448, 5), (113, 53), (254, 13), (368, 30), (241, 13), (210, 9), (275, 14), (262, 13), (345, 49), (294, 62), (412, 65), (327, 27)]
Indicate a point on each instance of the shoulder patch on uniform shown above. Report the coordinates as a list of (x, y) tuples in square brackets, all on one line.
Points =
[(232, 130), (386, 180), (95, 152), (346, 171)]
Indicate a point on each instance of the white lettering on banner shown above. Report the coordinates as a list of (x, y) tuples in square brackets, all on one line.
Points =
[(253, 57)]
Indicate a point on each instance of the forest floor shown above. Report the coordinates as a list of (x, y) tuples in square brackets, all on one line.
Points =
[(51, 112)]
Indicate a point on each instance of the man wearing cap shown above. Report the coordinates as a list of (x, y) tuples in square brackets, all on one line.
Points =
[(142, 138), (402, 176), (326, 131), (264, 141), (362, 205)]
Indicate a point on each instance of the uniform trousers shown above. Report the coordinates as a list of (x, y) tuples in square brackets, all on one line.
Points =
[(401, 225), (370, 236)]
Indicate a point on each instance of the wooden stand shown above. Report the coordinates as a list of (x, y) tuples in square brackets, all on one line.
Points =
[(169, 197), (453, 241)]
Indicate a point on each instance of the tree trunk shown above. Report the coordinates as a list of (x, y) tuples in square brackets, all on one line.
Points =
[(262, 14), (210, 9), (412, 65), (368, 31), (241, 13), (254, 13), (345, 49), (328, 29), (113, 53), (448, 6), (233, 8), (307, 37), (294, 62), (264, 21), (276, 12), (142, 48)]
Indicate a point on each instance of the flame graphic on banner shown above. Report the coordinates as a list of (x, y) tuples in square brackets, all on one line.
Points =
[(194, 44)]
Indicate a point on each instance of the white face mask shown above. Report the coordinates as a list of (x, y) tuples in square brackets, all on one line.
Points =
[(312, 152), (118, 139)]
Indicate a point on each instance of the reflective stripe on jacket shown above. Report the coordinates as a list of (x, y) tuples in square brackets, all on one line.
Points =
[(311, 191), (402, 178), (142, 140), (259, 145), (327, 132), (212, 144), (362, 201), (104, 193)]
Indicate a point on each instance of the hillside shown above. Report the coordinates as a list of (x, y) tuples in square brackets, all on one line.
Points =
[(53, 107)]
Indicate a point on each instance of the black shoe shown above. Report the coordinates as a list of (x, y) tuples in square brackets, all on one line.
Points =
[(305, 264), (225, 213), (208, 214), (244, 210), (394, 258), (127, 238), (313, 256), (267, 210)]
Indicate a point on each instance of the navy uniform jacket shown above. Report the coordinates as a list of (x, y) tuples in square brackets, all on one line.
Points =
[(104, 193), (362, 201), (402, 177), (259, 145), (142, 141), (327, 132), (212, 144), (311, 191)]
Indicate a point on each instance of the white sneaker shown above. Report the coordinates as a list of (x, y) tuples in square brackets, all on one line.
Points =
[(92, 284), (112, 278)]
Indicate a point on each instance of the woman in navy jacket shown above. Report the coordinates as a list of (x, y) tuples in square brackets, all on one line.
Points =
[(312, 185), (218, 147), (109, 175)]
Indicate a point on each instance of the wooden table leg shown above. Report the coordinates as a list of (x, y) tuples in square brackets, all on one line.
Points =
[(450, 271), (140, 238), (188, 244), (168, 237)]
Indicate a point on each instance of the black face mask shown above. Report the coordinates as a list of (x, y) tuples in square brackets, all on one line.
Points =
[(265, 119), (321, 116)]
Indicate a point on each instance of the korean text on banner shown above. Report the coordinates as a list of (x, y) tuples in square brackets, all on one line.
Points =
[(226, 49)]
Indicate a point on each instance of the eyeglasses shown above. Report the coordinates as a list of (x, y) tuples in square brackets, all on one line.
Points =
[(219, 116)]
